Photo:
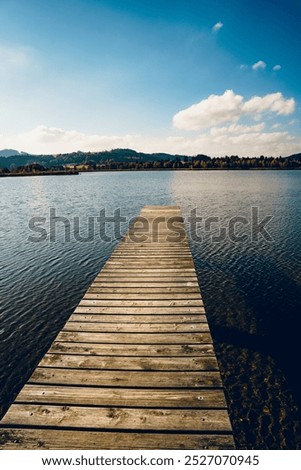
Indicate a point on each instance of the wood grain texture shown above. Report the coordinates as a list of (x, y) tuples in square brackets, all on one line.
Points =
[(134, 338), (45, 439), (126, 363), (99, 327), (108, 378), (145, 319), (118, 418), (125, 397), (129, 350)]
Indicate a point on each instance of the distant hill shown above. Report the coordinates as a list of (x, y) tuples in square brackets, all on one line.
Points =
[(296, 157), (116, 155), (11, 159), (11, 152)]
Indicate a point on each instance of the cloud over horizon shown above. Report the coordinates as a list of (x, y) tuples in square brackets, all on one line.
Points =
[(235, 139), (230, 107)]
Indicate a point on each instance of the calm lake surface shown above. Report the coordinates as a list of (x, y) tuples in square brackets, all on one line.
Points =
[(251, 284)]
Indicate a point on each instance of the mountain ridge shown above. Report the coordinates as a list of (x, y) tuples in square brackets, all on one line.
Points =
[(14, 158)]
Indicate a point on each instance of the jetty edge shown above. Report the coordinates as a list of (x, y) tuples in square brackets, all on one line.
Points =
[(134, 366)]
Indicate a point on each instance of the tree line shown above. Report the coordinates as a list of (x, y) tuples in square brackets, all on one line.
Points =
[(192, 163), (197, 163)]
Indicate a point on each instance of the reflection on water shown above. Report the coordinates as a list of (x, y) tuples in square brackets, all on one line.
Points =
[(252, 290)]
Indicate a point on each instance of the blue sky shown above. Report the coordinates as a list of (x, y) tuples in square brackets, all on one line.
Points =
[(178, 76)]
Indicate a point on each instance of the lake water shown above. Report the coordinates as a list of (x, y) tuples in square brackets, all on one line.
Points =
[(249, 275)]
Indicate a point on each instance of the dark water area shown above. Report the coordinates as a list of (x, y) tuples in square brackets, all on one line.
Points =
[(250, 279)]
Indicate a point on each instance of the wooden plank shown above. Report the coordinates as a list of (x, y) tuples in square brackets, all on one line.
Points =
[(134, 338), (127, 363), (99, 327), (153, 319), (163, 236), (146, 379), (144, 290), (181, 272), (142, 246), (155, 240), (129, 397), (141, 275), (148, 264), (141, 303), (143, 283), (128, 350), (118, 418), (45, 439), (148, 241), (181, 254), (139, 310), (157, 254), (141, 296), (154, 254)]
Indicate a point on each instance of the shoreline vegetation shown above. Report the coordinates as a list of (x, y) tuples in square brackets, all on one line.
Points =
[(39, 173), (108, 170), (122, 160)]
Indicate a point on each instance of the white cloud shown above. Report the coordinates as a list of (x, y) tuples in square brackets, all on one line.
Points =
[(217, 26), (273, 102), (236, 129), (259, 65), (216, 109), (241, 143), (277, 67), (243, 67), (43, 140), (230, 107), (234, 139)]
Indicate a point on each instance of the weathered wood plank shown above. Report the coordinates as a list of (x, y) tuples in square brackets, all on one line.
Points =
[(141, 303), (127, 363), (156, 260), (143, 282), (139, 310), (117, 418), (156, 252), (169, 255), (146, 379), (141, 296), (128, 350), (183, 291), (148, 240), (134, 338), (148, 264), (128, 397), (157, 275), (44, 439), (181, 272), (99, 327), (145, 319)]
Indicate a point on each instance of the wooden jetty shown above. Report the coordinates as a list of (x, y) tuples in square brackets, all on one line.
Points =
[(134, 367)]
